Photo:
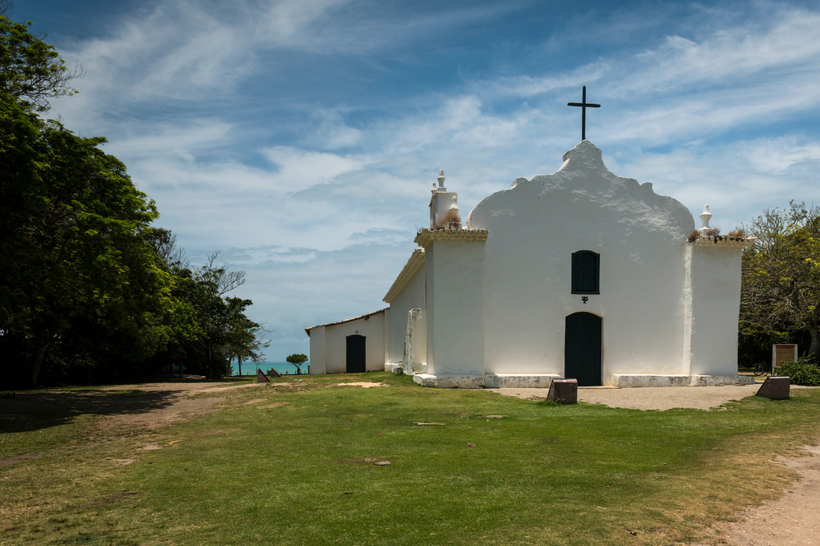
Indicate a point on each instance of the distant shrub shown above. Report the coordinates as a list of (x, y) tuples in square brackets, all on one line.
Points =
[(739, 232), (451, 220), (711, 232), (802, 371)]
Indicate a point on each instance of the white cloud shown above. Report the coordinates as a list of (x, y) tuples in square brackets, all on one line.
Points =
[(298, 169)]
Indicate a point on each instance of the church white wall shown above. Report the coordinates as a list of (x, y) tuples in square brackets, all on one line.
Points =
[(455, 308), (534, 228), (371, 327), (715, 281), (412, 297), (317, 351)]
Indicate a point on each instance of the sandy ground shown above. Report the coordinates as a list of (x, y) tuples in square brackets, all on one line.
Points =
[(791, 520), (649, 398)]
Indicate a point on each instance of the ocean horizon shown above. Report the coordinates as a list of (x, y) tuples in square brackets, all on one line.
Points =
[(284, 368)]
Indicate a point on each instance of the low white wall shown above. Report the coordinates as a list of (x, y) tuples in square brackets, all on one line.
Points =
[(386, 337), (415, 342), (317, 351), (371, 327)]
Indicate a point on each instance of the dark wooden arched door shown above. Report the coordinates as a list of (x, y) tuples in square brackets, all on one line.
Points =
[(356, 354), (582, 349)]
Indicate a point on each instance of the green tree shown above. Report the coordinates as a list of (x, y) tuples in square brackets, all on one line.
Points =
[(31, 69), (216, 316), (781, 276), (70, 231), (87, 284), (297, 360)]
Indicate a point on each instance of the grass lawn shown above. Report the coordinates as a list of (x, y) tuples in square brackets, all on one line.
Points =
[(303, 472)]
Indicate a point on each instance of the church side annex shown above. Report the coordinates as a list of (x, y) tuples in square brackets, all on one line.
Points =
[(578, 274)]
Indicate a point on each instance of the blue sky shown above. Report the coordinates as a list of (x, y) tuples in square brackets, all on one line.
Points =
[(301, 138)]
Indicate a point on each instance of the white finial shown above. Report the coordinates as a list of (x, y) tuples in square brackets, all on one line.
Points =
[(441, 178), (454, 205), (705, 217)]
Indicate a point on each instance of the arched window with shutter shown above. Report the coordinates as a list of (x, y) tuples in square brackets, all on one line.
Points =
[(586, 266)]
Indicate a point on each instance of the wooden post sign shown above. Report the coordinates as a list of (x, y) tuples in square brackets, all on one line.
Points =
[(781, 354)]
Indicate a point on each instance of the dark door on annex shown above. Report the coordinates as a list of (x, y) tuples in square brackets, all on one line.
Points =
[(356, 353), (582, 349)]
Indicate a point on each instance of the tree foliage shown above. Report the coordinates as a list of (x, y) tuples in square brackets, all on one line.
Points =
[(89, 288), (780, 298), (31, 69)]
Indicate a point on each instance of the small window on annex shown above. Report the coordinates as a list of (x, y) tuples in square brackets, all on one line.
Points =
[(585, 272)]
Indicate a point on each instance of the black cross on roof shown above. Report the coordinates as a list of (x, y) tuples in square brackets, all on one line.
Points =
[(584, 105)]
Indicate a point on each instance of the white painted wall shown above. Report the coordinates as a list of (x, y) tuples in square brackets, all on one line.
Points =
[(372, 327), (412, 297), (317, 350), (385, 336), (455, 308), (715, 281), (534, 228)]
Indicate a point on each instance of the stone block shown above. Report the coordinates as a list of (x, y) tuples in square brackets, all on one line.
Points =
[(564, 390), (776, 387)]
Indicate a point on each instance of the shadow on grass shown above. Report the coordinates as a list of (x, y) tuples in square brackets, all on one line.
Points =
[(37, 410)]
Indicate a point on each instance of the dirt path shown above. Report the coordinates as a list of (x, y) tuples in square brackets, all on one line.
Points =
[(145, 406), (178, 403), (790, 520)]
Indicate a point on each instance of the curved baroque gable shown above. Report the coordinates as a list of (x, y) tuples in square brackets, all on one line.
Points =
[(582, 194)]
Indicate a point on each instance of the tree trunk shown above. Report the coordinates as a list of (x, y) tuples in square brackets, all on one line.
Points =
[(38, 360), (814, 347), (210, 364), (239, 363)]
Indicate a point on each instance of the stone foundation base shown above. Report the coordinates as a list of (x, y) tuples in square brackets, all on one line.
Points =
[(524, 381), (449, 381), (516, 381), (628, 380), (710, 380), (391, 366), (623, 380), (489, 381)]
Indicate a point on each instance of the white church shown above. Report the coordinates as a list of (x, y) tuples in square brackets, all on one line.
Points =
[(577, 274)]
